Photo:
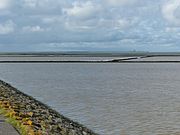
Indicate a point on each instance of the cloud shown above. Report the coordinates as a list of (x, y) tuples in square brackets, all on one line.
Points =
[(41, 3), (172, 29), (121, 2), (30, 3), (125, 23), (33, 29), (7, 27), (168, 11), (39, 7), (52, 19), (103, 23), (4, 4), (82, 10)]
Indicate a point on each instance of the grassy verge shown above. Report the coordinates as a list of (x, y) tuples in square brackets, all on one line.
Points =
[(22, 124)]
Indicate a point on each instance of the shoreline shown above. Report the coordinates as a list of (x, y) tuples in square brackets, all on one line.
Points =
[(127, 59), (40, 116), (88, 62)]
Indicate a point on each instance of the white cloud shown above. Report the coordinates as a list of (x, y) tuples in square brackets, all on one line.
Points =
[(171, 29), (122, 23), (168, 11), (78, 26), (30, 3), (7, 27), (117, 23), (82, 10), (4, 4), (32, 29), (52, 19), (120, 2), (44, 5)]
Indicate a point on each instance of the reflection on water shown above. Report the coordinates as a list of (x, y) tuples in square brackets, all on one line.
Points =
[(138, 99)]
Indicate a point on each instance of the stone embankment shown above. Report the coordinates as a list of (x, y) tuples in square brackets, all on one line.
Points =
[(31, 117)]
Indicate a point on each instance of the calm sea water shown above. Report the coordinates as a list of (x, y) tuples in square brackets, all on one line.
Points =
[(136, 99)]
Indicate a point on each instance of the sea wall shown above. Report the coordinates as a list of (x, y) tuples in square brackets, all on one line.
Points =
[(31, 115)]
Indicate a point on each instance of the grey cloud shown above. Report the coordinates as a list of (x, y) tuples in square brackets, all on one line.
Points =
[(78, 24)]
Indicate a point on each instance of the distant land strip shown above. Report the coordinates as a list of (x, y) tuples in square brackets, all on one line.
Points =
[(121, 61), (130, 59)]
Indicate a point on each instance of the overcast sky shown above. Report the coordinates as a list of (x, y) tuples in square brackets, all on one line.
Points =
[(89, 25)]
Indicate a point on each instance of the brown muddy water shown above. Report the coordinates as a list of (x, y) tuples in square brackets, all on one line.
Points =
[(136, 99)]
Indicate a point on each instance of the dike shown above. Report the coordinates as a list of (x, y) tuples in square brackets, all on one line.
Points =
[(32, 117)]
